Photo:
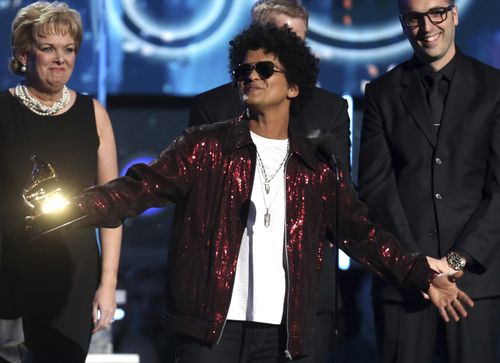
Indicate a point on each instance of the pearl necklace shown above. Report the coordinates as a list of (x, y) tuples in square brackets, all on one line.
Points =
[(36, 106)]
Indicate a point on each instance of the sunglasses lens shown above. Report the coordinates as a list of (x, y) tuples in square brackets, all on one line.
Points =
[(265, 69), (242, 71)]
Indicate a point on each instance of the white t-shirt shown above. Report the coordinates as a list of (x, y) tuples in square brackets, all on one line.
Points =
[(260, 281)]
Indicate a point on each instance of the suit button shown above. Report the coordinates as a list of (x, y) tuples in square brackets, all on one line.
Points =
[(439, 196), (433, 233), (438, 161)]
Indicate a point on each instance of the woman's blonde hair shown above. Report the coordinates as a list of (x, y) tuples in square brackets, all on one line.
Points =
[(39, 19)]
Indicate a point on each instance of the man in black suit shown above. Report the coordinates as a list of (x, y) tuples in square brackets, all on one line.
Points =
[(324, 113), (429, 171)]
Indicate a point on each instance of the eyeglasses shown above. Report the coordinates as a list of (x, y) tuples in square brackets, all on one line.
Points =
[(413, 19), (265, 70)]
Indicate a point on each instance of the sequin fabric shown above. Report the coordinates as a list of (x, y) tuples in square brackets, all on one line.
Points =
[(208, 173)]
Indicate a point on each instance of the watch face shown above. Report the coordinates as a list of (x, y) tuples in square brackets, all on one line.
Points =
[(456, 261)]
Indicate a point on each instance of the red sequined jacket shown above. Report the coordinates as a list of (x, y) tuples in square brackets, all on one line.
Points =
[(208, 172)]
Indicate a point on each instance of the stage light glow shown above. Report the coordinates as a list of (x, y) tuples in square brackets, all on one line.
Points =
[(333, 53), (360, 35), (192, 29), (344, 261), (53, 202), (145, 159), (350, 113), (119, 314), (137, 159), (167, 51)]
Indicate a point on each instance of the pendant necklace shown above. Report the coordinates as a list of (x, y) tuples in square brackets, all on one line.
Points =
[(267, 215), (267, 186), (267, 181)]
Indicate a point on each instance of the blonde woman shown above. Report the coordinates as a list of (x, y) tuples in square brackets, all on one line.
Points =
[(62, 285)]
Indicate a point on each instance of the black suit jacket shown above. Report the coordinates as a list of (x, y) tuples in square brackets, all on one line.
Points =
[(436, 193), (324, 113)]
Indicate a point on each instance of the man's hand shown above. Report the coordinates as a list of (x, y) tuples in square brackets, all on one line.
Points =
[(448, 298), (440, 265)]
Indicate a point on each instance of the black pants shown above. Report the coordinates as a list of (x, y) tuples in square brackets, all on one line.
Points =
[(420, 336), (48, 345), (241, 342), (60, 336)]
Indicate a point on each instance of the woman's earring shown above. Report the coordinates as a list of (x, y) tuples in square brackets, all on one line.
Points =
[(23, 68)]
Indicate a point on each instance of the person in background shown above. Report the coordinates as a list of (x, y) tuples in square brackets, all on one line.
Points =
[(255, 210), (323, 113), (59, 284), (429, 171), (141, 331)]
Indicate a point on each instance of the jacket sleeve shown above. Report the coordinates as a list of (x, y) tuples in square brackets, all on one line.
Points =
[(340, 130), (165, 180), (480, 237), (373, 247), (376, 178)]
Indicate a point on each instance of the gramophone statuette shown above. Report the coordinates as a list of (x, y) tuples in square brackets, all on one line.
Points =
[(43, 192)]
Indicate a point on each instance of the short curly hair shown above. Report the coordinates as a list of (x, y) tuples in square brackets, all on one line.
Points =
[(42, 18), (301, 66)]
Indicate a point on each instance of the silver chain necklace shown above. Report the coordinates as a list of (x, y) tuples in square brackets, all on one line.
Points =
[(267, 181), (267, 215), (22, 93), (267, 185)]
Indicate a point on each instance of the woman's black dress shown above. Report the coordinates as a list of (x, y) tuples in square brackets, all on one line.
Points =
[(51, 281)]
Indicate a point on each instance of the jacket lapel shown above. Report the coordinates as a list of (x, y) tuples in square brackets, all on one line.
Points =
[(460, 95), (414, 100)]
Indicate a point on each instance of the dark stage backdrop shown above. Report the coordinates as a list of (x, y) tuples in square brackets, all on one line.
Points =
[(143, 128), (179, 47)]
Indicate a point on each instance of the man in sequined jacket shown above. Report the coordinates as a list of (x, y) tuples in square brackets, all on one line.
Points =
[(210, 173)]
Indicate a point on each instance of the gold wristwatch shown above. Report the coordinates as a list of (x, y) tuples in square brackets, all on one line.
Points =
[(456, 261)]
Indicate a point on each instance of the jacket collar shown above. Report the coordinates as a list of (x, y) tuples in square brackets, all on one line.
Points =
[(459, 97), (413, 97), (239, 137)]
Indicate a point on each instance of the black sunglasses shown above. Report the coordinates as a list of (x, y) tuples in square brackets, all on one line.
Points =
[(265, 70), (413, 19)]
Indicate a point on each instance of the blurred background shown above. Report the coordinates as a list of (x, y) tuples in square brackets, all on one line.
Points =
[(145, 59)]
